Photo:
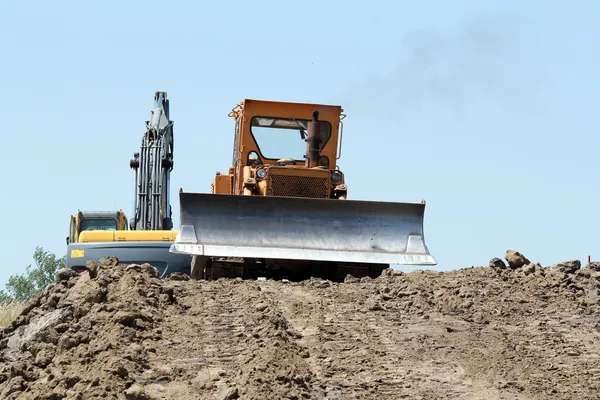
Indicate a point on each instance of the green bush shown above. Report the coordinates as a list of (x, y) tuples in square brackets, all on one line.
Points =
[(35, 279)]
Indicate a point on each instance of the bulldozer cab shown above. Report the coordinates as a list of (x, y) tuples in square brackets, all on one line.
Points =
[(284, 149), (95, 221)]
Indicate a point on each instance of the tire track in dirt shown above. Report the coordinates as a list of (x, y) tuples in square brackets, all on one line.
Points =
[(229, 340), (201, 347), (360, 353)]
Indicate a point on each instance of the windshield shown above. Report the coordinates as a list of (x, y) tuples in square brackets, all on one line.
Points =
[(284, 138), (98, 225)]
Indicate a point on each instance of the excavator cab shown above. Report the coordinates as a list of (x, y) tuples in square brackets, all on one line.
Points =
[(282, 210), (96, 221)]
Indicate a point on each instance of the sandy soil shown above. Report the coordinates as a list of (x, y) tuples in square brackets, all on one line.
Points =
[(503, 332)]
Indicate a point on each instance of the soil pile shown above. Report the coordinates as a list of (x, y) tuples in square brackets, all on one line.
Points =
[(511, 330)]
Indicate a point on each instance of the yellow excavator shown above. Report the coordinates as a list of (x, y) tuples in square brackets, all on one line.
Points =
[(282, 211), (148, 236)]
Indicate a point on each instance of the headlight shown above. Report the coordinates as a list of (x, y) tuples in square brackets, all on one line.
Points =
[(336, 177), (261, 173)]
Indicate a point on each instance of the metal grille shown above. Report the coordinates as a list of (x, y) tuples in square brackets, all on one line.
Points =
[(298, 186)]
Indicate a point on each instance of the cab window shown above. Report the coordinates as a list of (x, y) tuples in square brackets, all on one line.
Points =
[(99, 225)]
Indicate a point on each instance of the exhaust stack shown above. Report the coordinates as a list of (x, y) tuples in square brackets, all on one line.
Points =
[(313, 141)]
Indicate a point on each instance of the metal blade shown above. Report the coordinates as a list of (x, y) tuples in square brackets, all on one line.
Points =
[(302, 229)]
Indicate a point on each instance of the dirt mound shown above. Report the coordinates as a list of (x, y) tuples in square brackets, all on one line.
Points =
[(503, 331)]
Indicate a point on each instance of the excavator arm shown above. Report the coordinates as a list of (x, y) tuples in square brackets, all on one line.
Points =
[(152, 168)]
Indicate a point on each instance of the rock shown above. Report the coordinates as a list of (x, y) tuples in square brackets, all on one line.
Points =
[(387, 272), (594, 266), (529, 269), (63, 327), (229, 394), (260, 307), (150, 270), (92, 268), (44, 356), (110, 261), (480, 318), (567, 267), (373, 304), (64, 274), (86, 290), (16, 384), (135, 392), (130, 318), (497, 263), (351, 279), (583, 273), (180, 276), (73, 395), (95, 382), (143, 268), (406, 293), (515, 259), (120, 370), (68, 341)]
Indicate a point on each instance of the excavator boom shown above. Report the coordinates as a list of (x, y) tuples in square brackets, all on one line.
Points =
[(152, 170)]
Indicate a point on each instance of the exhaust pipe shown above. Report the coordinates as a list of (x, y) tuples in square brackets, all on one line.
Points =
[(313, 141)]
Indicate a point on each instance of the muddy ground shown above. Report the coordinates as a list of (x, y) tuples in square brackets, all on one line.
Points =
[(518, 331)]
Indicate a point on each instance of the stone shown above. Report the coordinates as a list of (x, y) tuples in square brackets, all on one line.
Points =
[(497, 263), (594, 266), (515, 259), (179, 276), (529, 269), (229, 394), (567, 267), (64, 274)]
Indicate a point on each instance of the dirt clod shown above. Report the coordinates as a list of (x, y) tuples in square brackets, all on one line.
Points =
[(64, 274), (497, 263), (567, 267)]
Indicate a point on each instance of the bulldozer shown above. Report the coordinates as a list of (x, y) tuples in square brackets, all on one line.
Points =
[(282, 210), (147, 237)]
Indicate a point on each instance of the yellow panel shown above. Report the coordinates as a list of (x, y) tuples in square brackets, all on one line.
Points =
[(127, 236), (77, 253), (96, 236), (145, 236)]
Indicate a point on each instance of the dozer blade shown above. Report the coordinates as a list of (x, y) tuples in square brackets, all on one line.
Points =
[(301, 229)]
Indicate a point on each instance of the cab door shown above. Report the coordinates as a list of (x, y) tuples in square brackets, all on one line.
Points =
[(72, 231)]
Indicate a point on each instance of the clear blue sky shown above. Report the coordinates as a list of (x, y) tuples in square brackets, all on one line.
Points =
[(488, 110)]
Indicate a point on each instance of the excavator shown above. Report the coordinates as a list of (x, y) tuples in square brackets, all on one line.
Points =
[(282, 212), (147, 237)]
